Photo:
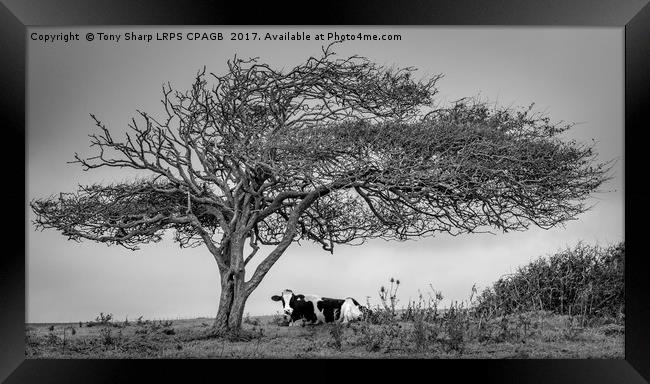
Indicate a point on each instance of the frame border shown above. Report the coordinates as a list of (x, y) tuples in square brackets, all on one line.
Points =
[(632, 15)]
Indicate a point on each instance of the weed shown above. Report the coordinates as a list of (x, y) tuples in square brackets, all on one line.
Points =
[(370, 337), (31, 339), (572, 331), (336, 331), (251, 321), (166, 323), (426, 310), (423, 333), (278, 320), (72, 331), (102, 320), (423, 314), (106, 337), (52, 339), (456, 323), (524, 323), (504, 333), (388, 296), (613, 329)]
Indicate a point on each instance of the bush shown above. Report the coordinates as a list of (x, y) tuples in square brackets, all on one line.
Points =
[(585, 281)]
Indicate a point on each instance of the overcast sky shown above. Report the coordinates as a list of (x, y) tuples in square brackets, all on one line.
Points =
[(574, 74)]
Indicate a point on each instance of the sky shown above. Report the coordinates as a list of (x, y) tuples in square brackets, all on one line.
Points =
[(572, 74)]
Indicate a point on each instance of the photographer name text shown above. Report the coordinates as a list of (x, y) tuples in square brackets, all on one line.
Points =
[(100, 36)]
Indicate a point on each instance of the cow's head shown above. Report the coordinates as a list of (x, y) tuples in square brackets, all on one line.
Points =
[(286, 298)]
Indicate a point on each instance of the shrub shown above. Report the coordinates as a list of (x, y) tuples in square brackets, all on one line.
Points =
[(586, 281)]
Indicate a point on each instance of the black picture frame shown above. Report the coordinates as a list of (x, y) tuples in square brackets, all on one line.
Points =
[(17, 15)]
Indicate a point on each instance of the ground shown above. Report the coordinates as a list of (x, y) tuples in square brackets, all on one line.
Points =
[(530, 335)]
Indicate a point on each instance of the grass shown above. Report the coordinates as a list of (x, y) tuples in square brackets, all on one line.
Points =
[(547, 335)]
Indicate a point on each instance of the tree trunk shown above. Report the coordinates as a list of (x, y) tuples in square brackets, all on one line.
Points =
[(225, 303), (231, 303), (233, 293), (237, 309), (234, 288)]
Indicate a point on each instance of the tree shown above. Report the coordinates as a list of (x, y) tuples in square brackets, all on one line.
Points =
[(335, 151)]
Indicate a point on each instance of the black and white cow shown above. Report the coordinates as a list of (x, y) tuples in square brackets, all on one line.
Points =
[(314, 309)]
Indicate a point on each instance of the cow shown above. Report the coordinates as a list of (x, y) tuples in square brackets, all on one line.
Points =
[(313, 309)]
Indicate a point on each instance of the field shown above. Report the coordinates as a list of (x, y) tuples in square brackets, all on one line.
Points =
[(529, 335), (570, 305)]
